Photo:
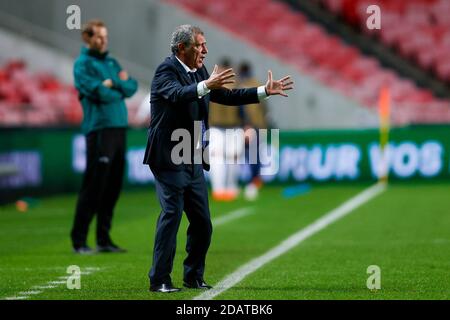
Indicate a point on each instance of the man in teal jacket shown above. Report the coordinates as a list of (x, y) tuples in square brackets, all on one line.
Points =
[(102, 86)]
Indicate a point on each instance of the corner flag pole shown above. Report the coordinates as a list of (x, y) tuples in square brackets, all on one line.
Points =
[(384, 115)]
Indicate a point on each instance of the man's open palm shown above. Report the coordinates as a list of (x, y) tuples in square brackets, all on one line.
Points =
[(278, 86), (220, 79)]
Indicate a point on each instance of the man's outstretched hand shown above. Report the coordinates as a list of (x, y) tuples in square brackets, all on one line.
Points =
[(218, 80), (278, 86)]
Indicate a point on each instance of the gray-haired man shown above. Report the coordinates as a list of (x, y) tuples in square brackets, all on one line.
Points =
[(180, 95)]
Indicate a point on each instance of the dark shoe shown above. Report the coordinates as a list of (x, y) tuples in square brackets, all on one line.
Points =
[(197, 284), (165, 288), (110, 248), (83, 250)]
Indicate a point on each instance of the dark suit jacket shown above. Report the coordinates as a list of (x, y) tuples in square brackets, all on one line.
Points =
[(175, 104)]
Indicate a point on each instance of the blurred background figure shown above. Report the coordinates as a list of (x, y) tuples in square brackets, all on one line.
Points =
[(142, 117), (102, 86), (225, 149), (255, 118)]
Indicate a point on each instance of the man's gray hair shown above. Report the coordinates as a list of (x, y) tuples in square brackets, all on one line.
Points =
[(183, 34)]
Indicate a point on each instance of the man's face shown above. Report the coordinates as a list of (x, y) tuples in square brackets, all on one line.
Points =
[(99, 40), (196, 53)]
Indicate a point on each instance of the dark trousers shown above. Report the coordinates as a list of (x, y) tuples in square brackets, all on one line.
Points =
[(177, 191), (102, 182), (255, 168)]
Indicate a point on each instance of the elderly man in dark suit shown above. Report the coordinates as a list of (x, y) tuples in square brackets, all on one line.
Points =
[(180, 95)]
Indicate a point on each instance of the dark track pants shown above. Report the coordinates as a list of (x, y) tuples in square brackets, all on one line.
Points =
[(177, 191), (101, 186)]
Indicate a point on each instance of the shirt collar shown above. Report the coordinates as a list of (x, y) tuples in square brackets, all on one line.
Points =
[(185, 66), (94, 53)]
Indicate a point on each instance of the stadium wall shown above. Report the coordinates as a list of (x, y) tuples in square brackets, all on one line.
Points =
[(52, 161), (139, 37)]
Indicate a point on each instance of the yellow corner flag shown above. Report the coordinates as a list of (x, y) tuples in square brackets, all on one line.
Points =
[(384, 114)]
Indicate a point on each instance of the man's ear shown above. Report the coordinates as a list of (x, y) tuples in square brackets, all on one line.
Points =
[(181, 47), (86, 37)]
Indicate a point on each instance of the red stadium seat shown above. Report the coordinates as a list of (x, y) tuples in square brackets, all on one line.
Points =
[(35, 100), (412, 27), (307, 46)]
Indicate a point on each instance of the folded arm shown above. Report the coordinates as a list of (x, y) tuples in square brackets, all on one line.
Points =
[(123, 82), (127, 87), (91, 86)]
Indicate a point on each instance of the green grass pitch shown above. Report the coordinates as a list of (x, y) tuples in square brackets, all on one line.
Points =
[(405, 231)]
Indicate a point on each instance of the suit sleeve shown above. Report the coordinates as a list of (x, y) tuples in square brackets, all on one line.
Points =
[(90, 85), (234, 97), (167, 85)]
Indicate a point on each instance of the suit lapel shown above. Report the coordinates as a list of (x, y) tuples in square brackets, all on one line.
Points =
[(201, 75), (181, 70)]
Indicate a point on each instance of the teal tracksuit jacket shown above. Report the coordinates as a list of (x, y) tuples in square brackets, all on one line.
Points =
[(103, 107)]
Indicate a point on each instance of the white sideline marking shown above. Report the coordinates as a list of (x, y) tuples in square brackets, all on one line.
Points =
[(49, 285), (233, 215), (31, 292), (44, 287), (293, 241), (92, 268), (57, 282)]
